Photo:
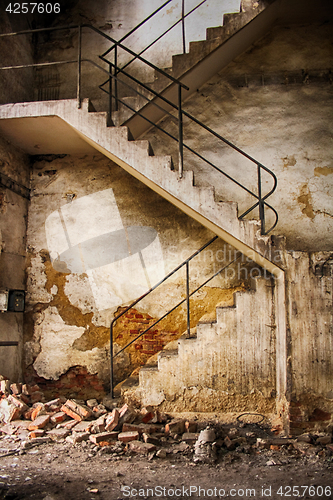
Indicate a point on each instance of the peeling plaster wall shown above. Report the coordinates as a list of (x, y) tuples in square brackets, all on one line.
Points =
[(13, 217), (275, 102), (97, 240)]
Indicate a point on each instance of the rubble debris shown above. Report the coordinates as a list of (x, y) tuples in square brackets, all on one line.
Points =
[(205, 447), (140, 447), (28, 420), (76, 409), (126, 437)]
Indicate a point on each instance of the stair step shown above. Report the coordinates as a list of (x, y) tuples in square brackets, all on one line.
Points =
[(125, 385), (215, 32)]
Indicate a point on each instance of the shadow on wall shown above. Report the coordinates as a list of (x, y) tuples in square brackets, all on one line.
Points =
[(87, 236)]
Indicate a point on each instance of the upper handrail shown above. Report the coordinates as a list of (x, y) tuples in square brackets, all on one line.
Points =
[(181, 20)]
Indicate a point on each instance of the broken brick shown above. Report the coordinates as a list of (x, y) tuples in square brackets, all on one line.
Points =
[(71, 413), (126, 415), (78, 437), (5, 386), (58, 434), (147, 417), (126, 437), (141, 428), (28, 413), (36, 433), (189, 437), (147, 438), (112, 420), (17, 402), (38, 410), (103, 436), (39, 423), (58, 417), (91, 403), (141, 448), (176, 426), (55, 404), (81, 411), (8, 411), (80, 427), (69, 424), (191, 426), (16, 389), (99, 425)]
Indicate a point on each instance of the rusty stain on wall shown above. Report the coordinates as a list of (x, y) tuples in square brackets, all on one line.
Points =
[(289, 161), (305, 199), (323, 171)]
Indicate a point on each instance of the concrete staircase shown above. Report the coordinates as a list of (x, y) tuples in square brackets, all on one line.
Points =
[(228, 362), (204, 59), (46, 126)]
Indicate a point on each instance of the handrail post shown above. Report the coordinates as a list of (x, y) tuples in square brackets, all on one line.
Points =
[(261, 202), (115, 74), (78, 89), (110, 95), (183, 26), (188, 299), (111, 360), (180, 133)]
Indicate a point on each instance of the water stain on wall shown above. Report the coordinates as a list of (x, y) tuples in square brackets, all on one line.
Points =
[(305, 201), (289, 161), (318, 171)]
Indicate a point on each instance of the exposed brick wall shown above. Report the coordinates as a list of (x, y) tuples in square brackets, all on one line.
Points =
[(131, 324), (76, 382), (304, 418)]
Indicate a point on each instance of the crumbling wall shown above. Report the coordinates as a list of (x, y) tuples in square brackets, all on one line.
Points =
[(13, 217), (310, 313), (97, 240)]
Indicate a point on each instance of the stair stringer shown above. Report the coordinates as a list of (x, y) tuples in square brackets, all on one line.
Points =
[(156, 172), (229, 366)]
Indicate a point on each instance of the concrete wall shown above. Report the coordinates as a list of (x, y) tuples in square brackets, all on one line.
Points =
[(15, 85), (13, 219), (310, 316), (97, 240), (274, 102)]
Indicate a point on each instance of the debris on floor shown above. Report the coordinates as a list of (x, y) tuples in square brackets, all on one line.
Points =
[(27, 420)]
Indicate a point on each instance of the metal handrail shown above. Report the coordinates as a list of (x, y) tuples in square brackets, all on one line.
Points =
[(112, 76), (261, 199), (186, 299)]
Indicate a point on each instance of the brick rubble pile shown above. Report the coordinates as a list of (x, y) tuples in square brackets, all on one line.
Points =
[(28, 420)]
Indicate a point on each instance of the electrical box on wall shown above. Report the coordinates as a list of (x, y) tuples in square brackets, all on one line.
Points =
[(12, 300)]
